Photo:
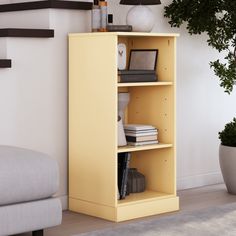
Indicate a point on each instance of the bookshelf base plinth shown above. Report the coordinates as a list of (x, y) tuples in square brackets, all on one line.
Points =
[(125, 211)]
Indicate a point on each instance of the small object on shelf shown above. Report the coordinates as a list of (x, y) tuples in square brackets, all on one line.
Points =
[(142, 66), (141, 138), (136, 181), (139, 134), (119, 28), (103, 7), (96, 17), (123, 168), (110, 19), (143, 59), (121, 134), (121, 54), (123, 101), (142, 143), (139, 127), (132, 76)]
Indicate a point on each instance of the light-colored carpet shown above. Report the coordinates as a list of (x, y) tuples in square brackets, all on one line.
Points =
[(218, 221)]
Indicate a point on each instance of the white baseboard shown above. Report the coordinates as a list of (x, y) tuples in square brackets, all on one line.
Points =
[(199, 180), (64, 202)]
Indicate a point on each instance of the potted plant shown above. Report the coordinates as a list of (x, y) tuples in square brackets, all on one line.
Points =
[(216, 19), (227, 155)]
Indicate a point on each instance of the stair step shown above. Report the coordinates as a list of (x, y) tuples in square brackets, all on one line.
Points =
[(31, 33), (5, 63), (80, 5)]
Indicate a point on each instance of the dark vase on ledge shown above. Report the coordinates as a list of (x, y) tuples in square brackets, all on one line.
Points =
[(136, 181)]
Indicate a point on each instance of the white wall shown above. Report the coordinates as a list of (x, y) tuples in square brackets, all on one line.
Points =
[(202, 106), (33, 93)]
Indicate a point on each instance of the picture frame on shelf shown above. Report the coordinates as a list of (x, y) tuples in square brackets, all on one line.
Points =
[(143, 59)]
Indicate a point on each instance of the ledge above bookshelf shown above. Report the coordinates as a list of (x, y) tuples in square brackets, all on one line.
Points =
[(140, 84), (143, 148), (148, 195)]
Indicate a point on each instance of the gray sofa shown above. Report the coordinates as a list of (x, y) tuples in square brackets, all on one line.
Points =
[(28, 180)]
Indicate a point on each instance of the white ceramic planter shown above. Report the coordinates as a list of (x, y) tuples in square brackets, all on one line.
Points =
[(227, 157)]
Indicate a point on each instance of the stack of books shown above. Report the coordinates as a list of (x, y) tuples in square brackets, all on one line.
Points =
[(138, 135)]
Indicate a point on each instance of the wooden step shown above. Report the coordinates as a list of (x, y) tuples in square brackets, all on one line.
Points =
[(31, 33), (34, 5), (5, 63)]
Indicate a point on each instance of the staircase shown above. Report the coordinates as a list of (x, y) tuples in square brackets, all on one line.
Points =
[(34, 75)]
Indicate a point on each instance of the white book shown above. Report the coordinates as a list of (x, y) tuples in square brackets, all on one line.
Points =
[(133, 134), (139, 127), (142, 143)]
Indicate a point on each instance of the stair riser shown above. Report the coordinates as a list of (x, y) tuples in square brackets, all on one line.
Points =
[(46, 19), (26, 19)]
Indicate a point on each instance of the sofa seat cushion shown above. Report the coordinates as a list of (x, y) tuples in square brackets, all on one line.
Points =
[(26, 175), (30, 216)]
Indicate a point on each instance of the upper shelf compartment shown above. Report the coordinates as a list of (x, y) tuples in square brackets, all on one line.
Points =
[(34, 5)]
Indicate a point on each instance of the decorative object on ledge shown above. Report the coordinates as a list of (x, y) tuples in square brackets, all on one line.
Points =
[(34, 5), (121, 54), (96, 17), (29, 33), (140, 17), (123, 101), (142, 66), (117, 28), (121, 133), (136, 181), (5, 63)]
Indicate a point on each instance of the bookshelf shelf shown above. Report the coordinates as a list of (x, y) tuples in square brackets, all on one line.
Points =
[(148, 195), (93, 128), (143, 148), (160, 83)]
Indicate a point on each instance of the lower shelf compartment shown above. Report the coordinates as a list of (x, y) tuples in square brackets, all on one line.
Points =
[(148, 195)]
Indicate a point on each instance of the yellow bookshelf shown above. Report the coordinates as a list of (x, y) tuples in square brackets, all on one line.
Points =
[(93, 93)]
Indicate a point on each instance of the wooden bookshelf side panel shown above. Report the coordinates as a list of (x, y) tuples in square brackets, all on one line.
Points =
[(93, 119)]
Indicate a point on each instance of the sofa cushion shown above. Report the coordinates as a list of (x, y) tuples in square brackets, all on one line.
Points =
[(26, 175), (30, 216)]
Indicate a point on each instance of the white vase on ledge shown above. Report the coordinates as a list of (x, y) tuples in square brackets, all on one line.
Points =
[(141, 18)]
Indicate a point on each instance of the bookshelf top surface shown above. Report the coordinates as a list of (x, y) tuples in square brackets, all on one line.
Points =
[(134, 34)]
